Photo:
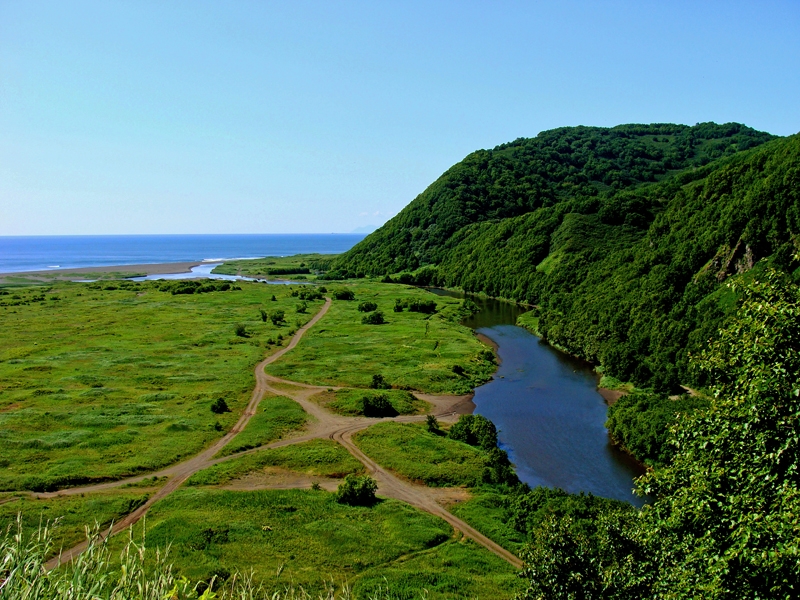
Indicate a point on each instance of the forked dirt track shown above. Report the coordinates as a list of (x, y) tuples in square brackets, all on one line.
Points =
[(324, 424)]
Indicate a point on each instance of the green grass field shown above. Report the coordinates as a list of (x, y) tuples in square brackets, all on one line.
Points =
[(412, 350), (295, 267), (350, 402), (320, 458), (411, 451), (305, 538), (99, 381), (276, 417), (73, 513)]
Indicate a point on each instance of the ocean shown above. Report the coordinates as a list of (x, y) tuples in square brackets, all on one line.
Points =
[(38, 253)]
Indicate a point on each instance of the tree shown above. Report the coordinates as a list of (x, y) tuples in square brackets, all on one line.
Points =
[(263, 314), (302, 307), (219, 406), (367, 306), (432, 425), (373, 318), (725, 524), (357, 490), (378, 406), (277, 317)]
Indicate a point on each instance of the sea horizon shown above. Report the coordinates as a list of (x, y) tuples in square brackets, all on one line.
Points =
[(25, 253)]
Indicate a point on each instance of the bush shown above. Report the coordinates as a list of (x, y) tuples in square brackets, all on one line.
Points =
[(432, 425), (475, 430), (263, 314), (458, 370), (357, 490), (379, 383), (367, 306), (277, 317), (240, 330), (273, 299), (302, 307), (219, 406), (398, 306), (373, 318), (378, 406), (344, 295)]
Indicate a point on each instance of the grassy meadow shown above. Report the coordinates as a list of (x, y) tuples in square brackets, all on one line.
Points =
[(305, 538), (277, 416), (411, 350), (99, 381), (411, 451), (316, 458), (295, 267)]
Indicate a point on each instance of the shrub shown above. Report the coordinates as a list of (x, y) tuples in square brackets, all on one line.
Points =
[(323, 290), (302, 307), (432, 425), (240, 330), (458, 370), (219, 406), (398, 305), (357, 490), (379, 383), (475, 430), (373, 318), (277, 317), (367, 306), (263, 314), (273, 299), (378, 406), (344, 295)]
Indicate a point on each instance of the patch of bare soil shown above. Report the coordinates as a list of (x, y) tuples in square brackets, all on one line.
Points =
[(275, 478)]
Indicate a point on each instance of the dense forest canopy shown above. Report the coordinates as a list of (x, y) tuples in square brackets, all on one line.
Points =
[(621, 237)]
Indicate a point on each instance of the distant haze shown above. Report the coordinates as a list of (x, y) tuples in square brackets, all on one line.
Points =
[(250, 117)]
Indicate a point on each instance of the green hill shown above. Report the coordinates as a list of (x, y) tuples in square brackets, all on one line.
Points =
[(622, 237)]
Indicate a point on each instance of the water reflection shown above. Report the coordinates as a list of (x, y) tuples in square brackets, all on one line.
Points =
[(548, 410), (204, 271)]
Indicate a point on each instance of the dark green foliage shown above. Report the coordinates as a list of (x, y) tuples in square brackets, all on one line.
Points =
[(357, 490), (577, 546), (273, 299), (287, 271), (517, 178), (475, 430), (277, 317), (373, 318), (379, 383), (427, 307), (398, 305), (724, 523), (302, 307), (310, 294), (458, 370), (343, 295), (641, 423), (432, 425), (240, 330), (263, 314), (626, 273), (219, 406), (378, 405), (193, 286), (367, 306)]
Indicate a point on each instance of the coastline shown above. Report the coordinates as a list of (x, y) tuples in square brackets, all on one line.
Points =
[(128, 270)]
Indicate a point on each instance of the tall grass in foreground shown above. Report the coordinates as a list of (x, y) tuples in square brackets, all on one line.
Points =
[(139, 574)]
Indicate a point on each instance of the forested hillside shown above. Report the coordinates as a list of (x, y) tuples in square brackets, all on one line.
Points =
[(620, 236)]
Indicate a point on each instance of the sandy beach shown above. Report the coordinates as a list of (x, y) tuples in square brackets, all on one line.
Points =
[(122, 270)]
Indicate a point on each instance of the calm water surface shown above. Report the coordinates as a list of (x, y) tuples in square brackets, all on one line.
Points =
[(548, 411)]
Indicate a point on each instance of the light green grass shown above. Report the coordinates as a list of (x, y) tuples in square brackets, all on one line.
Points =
[(306, 533), (488, 512), (320, 458), (411, 451), (276, 417), (74, 513), (350, 401), (530, 321), (453, 570), (412, 350), (100, 381)]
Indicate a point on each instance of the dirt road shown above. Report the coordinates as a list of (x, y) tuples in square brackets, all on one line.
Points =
[(324, 425)]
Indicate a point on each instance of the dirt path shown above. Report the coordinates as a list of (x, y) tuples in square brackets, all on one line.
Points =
[(324, 424)]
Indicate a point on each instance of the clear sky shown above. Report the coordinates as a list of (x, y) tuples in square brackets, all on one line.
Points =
[(286, 117)]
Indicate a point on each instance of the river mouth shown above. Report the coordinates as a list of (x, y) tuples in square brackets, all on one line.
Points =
[(548, 410)]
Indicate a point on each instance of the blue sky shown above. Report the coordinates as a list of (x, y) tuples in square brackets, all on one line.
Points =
[(285, 117)]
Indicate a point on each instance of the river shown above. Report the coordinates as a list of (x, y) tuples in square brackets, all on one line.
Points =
[(548, 411)]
